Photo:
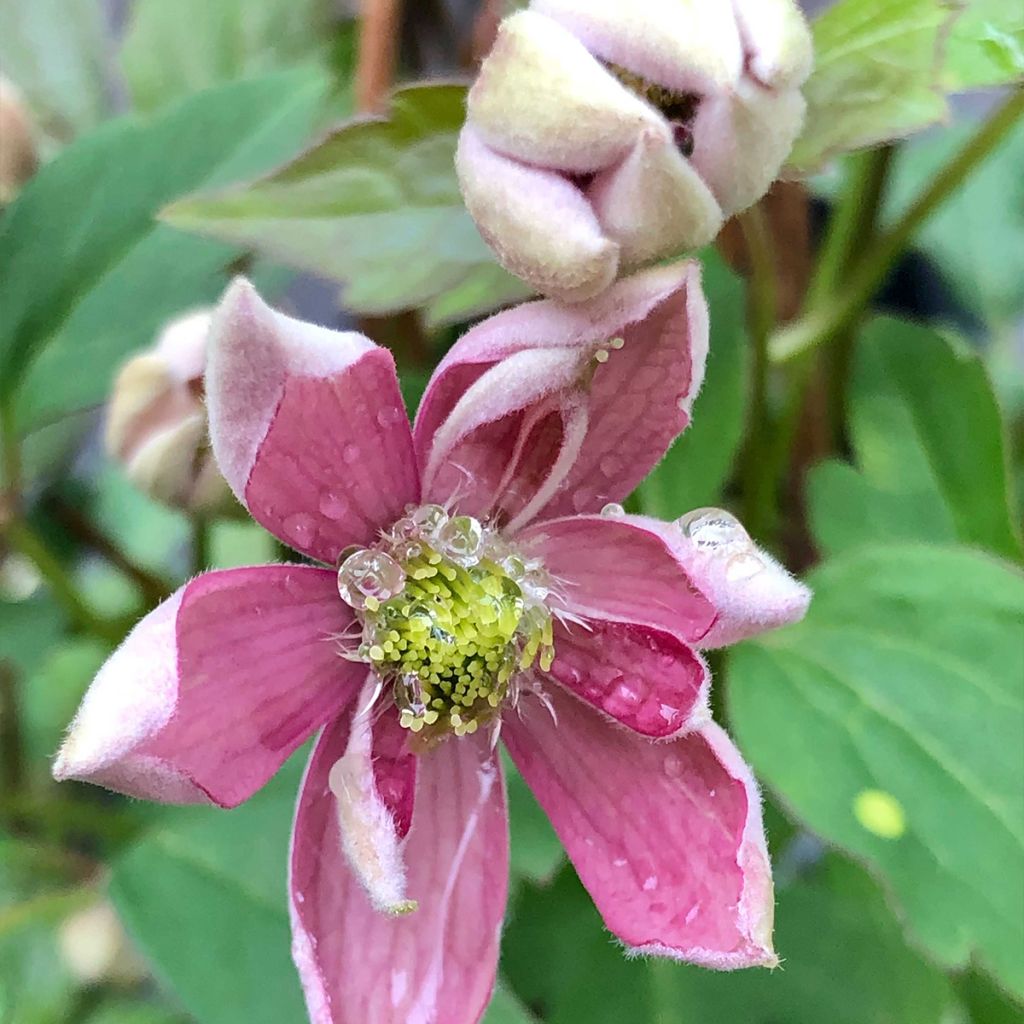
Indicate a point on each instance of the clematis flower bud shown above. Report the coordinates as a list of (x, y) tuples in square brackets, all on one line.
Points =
[(602, 135), (157, 425), (18, 155)]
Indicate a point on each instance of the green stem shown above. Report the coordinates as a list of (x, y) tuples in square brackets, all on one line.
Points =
[(200, 545), (24, 539), (854, 222), (838, 312), (150, 585), (759, 505), (11, 453), (11, 745)]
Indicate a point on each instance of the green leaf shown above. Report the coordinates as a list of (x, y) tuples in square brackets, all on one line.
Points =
[(52, 695), (35, 984), (85, 273), (537, 853), (697, 466), (929, 442), (986, 1002), (28, 631), (172, 50), (558, 958), (890, 722), (376, 205), (844, 961), (55, 51), (877, 75), (123, 1011), (204, 896), (506, 1009), (986, 46)]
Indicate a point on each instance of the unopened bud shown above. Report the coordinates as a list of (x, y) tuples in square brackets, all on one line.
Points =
[(95, 947), (19, 157), (156, 421), (602, 135)]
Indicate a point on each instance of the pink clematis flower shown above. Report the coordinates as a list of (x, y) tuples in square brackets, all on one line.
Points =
[(478, 585)]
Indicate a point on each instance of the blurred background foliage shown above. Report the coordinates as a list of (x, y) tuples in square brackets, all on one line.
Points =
[(183, 142)]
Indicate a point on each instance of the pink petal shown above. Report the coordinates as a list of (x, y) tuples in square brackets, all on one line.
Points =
[(654, 203), (618, 568), (692, 47), (647, 679), (543, 99), (750, 591), (549, 354), (372, 780), (213, 690), (308, 426), (514, 206), (742, 138), (436, 965), (666, 837)]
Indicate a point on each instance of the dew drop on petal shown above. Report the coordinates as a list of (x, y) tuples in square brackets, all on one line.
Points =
[(713, 528), (333, 506), (350, 453), (389, 416), (300, 528), (613, 510), (744, 566), (581, 498), (673, 766), (610, 465)]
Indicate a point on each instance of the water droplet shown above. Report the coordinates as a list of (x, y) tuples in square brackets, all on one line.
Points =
[(683, 403), (613, 510), (744, 566), (350, 453), (582, 498), (389, 416), (333, 506), (650, 883), (611, 465), (673, 766), (369, 576), (301, 528), (713, 528), (428, 519), (462, 539)]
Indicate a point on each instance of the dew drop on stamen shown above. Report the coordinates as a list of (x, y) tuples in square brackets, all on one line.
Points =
[(461, 539)]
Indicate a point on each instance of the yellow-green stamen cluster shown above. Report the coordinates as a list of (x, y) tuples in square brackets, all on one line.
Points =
[(450, 617), (679, 108)]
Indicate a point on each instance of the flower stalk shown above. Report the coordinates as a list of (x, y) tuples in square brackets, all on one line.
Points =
[(835, 312)]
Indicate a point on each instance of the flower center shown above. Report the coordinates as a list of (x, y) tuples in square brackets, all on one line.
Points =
[(678, 108), (450, 617)]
